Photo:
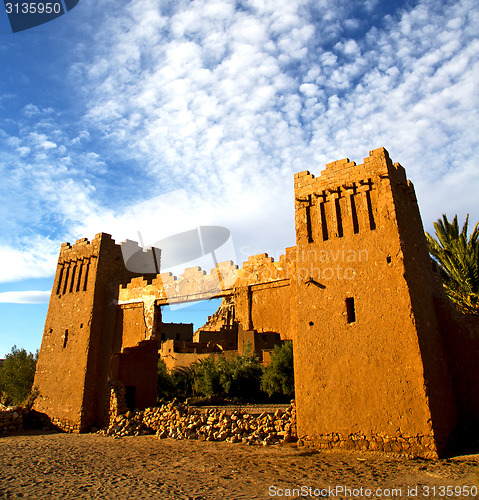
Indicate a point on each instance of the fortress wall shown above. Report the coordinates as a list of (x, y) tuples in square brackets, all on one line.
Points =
[(382, 362), (360, 376), (74, 358), (62, 362)]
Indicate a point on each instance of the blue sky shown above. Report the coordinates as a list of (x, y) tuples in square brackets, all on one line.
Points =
[(113, 111)]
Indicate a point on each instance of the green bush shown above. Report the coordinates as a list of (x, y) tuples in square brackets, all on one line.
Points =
[(241, 376), (16, 376), (183, 382), (207, 377), (278, 376), (458, 259)]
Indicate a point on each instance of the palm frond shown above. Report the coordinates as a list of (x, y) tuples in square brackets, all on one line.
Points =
[(458, 259)]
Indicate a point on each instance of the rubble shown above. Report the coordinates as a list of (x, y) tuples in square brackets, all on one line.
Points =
[(11, 419), (180, 421)]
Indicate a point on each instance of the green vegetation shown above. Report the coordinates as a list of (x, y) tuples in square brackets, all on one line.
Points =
[(241, 378), (179, 383), (278, 376), (458, 259), (164, 382), (16, 376), (207, 377)]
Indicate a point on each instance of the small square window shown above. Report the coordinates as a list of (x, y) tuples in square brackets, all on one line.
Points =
[(350, 310)]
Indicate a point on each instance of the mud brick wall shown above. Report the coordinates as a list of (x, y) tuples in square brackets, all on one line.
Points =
[(74, 359), (369, 359), (262, 298)]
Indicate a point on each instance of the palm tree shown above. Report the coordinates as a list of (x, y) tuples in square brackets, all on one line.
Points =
[(458, 258)]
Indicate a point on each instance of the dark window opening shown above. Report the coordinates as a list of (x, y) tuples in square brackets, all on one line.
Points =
[(350, 310), (388, 259), (309, 226), (65, 283), (65, 339), (311, 323), (130, 395), (59, 287), (85, 282), (354, 215), (72, 282), (80, 268), (339, 219), (372, 222), (324, 225)]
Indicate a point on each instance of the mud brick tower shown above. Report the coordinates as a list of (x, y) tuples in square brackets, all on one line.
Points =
[(78, 340), (371, 370), (382, 359)]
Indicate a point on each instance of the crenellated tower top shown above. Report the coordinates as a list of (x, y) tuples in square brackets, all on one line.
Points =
[(343, 200)]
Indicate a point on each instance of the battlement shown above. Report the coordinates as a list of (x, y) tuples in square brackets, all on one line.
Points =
[(83, 248), (197, 284), (340, 172), (344, 199)]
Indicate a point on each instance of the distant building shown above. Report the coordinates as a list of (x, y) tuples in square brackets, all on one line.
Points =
[(227, 340)]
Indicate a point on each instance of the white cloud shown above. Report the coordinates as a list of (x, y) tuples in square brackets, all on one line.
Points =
[(30, 297), (228, 103), (31, 110), (222, 110), (36, 260)]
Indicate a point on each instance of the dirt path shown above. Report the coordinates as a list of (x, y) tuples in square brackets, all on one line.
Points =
[(91, 466)]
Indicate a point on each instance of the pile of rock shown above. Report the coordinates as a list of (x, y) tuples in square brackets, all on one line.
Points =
[(11, 419), (179, 421), (128, 424)]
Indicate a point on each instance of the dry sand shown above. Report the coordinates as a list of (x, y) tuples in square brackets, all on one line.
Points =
[(48, 465)]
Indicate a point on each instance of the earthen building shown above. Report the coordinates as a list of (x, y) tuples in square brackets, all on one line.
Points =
[(383, 361)]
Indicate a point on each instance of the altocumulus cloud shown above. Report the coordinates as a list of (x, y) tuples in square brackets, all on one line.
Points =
[(226, 100), (231, 98)]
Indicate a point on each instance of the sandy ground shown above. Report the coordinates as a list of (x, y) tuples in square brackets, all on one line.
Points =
[(47, 465)]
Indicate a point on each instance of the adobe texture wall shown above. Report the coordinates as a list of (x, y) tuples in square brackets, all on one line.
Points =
[(78, 339), (378, 349), (461, 334), (380, 378)]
